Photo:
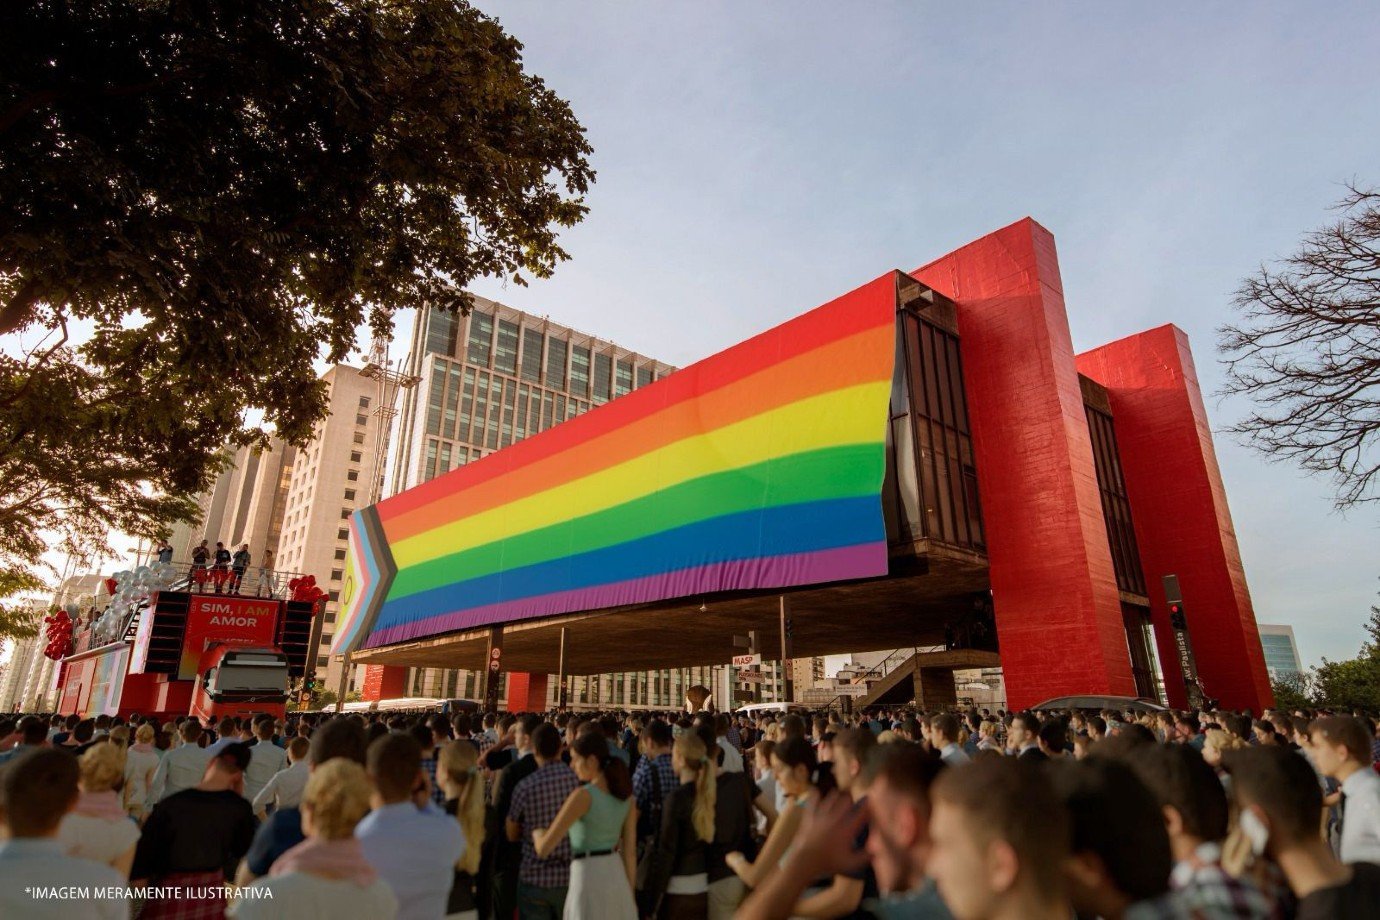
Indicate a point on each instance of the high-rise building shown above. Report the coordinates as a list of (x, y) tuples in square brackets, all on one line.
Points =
[(245, 505), (327, 480), (488, 380), (1281, 652)]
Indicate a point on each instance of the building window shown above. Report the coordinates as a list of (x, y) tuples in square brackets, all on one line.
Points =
[(481, 338), (355, 456), (364, 402), (336, 574), (343, 534), (352, 476), (359, 437), (531, 355), (440, 331), (322, 661), (505, 356), (603, 377), (555, 363), (349, 495), (579, 371), (330, 617), (623, 379), (340, 554), (333, 596), (345, 514), (361, 419), (644, 376)]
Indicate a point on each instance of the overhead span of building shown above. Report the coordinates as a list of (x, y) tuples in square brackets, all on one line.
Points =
[(916, 463)]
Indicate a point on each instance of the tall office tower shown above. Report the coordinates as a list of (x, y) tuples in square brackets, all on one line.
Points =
[(245, 505), (1281, 651), (326, 481), (488, 380)]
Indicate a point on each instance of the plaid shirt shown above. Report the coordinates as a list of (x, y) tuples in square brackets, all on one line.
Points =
[(644, 787), (535, 802), (438, 794), (734, 738), (1204, 889)]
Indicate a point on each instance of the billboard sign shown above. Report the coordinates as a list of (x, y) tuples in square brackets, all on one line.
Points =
[(225, 620)]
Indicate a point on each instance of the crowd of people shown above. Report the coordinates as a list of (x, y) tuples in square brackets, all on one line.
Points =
[(223, 570), (617, 816)]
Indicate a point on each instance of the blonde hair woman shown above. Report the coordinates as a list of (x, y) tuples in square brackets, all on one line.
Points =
[(98, 828), (677, 885), (326, 875), (457, 774), (141, 762)]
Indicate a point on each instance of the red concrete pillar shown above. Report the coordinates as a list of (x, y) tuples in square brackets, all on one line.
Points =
[(526, 692), (383, 682), (1054, 591), (1179, 507)]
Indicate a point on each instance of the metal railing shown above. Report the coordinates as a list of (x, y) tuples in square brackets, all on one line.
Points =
[(879, 672)]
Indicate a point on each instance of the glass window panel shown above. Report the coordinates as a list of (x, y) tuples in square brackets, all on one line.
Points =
[(481, 338), (505, 357), (430, 460), (531, 354), (623, 380), (440, 331), (546, 403), (644, 376), (603, 377), (435, 398), (466, 406), (452, 401), (908, 486), (555, 362), (560, 408), (579, 371)]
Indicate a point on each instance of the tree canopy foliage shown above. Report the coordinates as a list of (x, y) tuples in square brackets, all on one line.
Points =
[(226, 191), (1305, 352)]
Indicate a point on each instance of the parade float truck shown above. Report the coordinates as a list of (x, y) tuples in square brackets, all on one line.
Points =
[(180, 652)]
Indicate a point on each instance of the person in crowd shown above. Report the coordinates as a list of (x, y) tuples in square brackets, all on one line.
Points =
[(81, 738), (239, 564), (9, 734), (987, 737), (1189, 730), (33, 734), (99, 827), (1053, 738), (1022, 737), (181, 768), (201, 557), (1340, 747), (285, 788), (266, 586), (283, 829), (797, 773), (193, 839), (1195, 810), (1279, 803), (220, 567), (897, 814), (164, 551), (326, 875), (677, 882), (735, 796), (412, 843), (653, 782), (432, 736), (543, 880), (265, 761), (601, 822), (770, 795), (458, 774), (1000, 842), (1121, 860), (944, 734), (732, 760), (847, 890), (503, 856), (37, 790)]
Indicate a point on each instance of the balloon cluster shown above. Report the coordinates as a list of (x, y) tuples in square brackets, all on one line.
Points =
[(305, 589), (128, 590), (59, 633)]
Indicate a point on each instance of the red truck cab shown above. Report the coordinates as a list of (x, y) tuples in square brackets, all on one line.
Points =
[(237, 680)]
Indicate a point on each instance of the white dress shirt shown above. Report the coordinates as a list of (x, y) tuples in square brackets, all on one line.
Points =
[(27, 863), (180, 768), (284, 789), (1361, 817), (414, 850), (265, 759), (953, 755), (733, 761)]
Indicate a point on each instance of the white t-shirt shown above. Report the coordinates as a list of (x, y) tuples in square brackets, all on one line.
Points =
[(99, 839), (311, 897), (733, 761), (140, 766), (30, 863)]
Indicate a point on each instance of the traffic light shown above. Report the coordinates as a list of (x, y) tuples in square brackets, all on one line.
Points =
[(1176, 616), (309, 685)]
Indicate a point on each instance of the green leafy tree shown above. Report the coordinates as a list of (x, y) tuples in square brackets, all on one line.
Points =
[(1292, 691), (1353, 684), (225, 191)]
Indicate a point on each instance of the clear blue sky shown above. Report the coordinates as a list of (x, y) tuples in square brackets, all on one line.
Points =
[(757, 159)]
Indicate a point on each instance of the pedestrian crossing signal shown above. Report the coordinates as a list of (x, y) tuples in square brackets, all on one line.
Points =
[(1176, 616)]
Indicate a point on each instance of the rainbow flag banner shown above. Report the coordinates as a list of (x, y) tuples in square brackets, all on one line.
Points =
[(759, 467)]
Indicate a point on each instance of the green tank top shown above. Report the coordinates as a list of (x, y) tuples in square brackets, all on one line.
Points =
[(602, 826)]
